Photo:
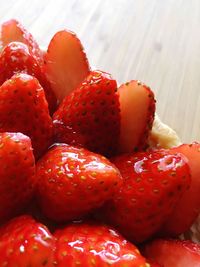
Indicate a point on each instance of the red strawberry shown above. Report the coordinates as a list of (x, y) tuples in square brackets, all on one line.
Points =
[(137, 106), (188, 207), (66, 64), (12, 30), (17, 173), (16, 58), (173, 253), (153, 184), (23, 108), (90, 115), (24, 242), (74, 181), (95, 245)]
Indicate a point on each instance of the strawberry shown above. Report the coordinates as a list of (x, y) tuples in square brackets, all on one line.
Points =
[(12, 31), (173, 253), (74, 181), (66, 64), (17, 173), (188, 207), (23, 108), (95, 245), (137, 105), (90, 115), (16, 58), (25, 242), (153, 184)]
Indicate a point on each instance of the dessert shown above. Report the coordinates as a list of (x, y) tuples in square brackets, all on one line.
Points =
[(76, 147)]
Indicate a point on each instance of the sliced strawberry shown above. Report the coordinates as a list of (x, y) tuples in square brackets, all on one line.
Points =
[(173, 253), (95, 245), (74, 181), (24, 242), (90, 115), (153, 184), (137, 105), (12, 30), (66, 64), (24, 109), (15, 58), (188, 207), (17, 174)]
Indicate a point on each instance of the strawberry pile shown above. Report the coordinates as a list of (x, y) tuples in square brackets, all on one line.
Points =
[(79, 183)]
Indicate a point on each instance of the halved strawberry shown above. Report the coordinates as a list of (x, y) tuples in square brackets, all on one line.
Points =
[(153, 184), (25, 242), (188, 206), (12, 30), (90, 115), (173, 253), (16, 57), (66, 65), (137, 106)]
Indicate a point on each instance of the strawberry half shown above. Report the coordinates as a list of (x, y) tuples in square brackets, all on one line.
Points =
[(153, 184), (23, 108), (188, 207), (173, 253), (17, 173), (16, 58), (24, 242), (90, 115), (74, 181), (95, 245), (137, 105), (12, 31), (66, 65)]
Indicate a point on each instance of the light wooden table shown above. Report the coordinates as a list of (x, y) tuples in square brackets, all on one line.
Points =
[(155, 41)]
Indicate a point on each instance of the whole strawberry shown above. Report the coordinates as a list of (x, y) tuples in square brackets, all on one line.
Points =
[(17, 173), (23, 108), (74, 181), (153, 184), (24, 242), (90, 115), (95, 245), (16, 57)]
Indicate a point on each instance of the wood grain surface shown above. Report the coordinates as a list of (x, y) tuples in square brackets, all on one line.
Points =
[(155, 41)]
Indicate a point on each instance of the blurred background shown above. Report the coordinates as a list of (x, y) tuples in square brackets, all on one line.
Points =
[(155, 41)]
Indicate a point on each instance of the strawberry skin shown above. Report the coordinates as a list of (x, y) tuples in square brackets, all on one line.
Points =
[(17, 173), (24, 242), (12, 31), (153, 184), (173, 253), (74, 181), (90, 115), (137, 105), (15, 58), (95, 245), (188, 207), (24, 109), (66, 64)]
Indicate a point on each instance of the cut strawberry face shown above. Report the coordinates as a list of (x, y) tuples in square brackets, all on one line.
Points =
[(12, 31), (17, 174), (153, 184), (90, 117), (17, 58), (188, 207), (137, 105), (95, 245), (24, 109), (74, 181), (66, 65), (174, 253)]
